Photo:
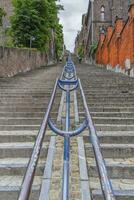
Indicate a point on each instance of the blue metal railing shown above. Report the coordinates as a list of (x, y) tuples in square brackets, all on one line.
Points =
[(68, 82)]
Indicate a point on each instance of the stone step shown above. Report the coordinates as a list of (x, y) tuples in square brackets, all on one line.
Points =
[(23, 114), (117, 168), (21, 136), (112, 127), (19, 127), (104, 137), (108, 109), (24, 126), (25, 104), (112, 150), (35, 120), (10, 187), (21, 121), (113, 120), (99, 127), (111, 137), (120, 194), (124, 185), (20, 150), (111, 104), (25, 109), (112, 98), (22, 106), (112, 114), (18, 166), (90, 97)]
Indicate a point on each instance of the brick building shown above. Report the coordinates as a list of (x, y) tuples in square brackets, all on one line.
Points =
[(115, 49), (100, 15)]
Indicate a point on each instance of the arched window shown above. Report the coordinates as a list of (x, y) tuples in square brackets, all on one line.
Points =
[(102, 13)]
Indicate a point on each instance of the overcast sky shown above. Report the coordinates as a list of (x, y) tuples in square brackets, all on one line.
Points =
[(71, 18)]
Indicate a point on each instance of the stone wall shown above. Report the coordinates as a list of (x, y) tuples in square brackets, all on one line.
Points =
[(116, 47), (15, 60)]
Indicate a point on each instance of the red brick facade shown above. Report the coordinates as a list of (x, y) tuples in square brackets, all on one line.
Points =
[(117, 45)]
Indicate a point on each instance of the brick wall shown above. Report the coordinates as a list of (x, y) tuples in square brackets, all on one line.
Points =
[(117, 45), (14, 61), (105, 53)]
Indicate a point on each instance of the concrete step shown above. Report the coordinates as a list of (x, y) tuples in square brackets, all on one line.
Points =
[(19, 127), (35, 120), (117, 168), (114, 127), (21, 136), (18, 166), (111, 137), (110, 104), (108, 109), (22, 114), (10, 187), (20, 150), (25, 109), (22, 121), (112, 150), (99, 127), (120, 194), (113, 114), (124, 185)]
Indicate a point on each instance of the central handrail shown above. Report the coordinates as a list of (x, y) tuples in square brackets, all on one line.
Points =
[(67, 83), (104, 180)]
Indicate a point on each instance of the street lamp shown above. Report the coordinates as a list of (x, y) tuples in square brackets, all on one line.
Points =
[(31, 40), (30, 45)]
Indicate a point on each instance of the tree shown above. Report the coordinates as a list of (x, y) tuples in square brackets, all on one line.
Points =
[(35, 19), (28, 22), (80, 51), (59, 41)]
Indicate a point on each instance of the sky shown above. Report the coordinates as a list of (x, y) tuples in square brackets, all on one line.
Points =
[(71, 19)]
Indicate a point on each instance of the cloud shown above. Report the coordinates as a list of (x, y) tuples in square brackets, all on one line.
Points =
[(71, 19)]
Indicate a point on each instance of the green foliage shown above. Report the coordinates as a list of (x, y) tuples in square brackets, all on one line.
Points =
[(35, 19), (2, 14), (93, 48), (80, 51), (59, 40)]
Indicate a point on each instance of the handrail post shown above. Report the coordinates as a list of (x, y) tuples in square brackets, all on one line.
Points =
[(65, 185)]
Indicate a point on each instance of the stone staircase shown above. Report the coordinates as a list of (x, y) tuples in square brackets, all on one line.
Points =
[(110, 98), (23, 102)]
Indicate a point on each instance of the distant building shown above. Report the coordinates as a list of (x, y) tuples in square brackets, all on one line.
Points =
[(100, 14)]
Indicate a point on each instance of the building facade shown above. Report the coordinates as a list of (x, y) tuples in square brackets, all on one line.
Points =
[(100, 15)]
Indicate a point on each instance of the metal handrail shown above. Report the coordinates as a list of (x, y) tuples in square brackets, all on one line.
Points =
[(29, 176), (104, 180), (67, 83)]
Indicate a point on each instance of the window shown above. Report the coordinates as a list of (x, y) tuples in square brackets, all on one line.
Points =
[(102, 13)]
